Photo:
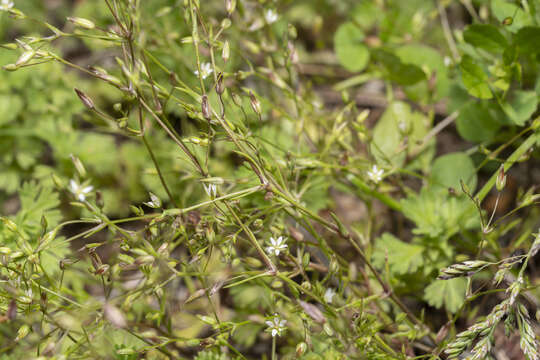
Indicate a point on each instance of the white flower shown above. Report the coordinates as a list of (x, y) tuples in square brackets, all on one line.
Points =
[(211, 190), (5, 5), (329, 295), (206, 69), (79, 191), (270, 16), (154, 202), (276, 326), (447, 61), (375, 174), (276, 245)]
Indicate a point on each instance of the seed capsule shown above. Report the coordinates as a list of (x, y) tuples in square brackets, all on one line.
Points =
[(220, 88), (85, 99), (205, 107), (255, 104), (501, 179)]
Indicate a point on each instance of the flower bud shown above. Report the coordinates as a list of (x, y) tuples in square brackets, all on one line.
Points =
[(301, 349), (10, 67), (9, 46), (25, 58), (10, 225), (57, 181), (501, 179), (226, 52), (226, 23), (22, 332), (83, 23), (78, 165), (85, 99), (230, 5)]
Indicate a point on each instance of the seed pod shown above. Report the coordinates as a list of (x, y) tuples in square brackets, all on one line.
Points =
[(219, 85), (501, 179), (85, 99), (205, 107), (83, 23), (255, 104), (11, 312)]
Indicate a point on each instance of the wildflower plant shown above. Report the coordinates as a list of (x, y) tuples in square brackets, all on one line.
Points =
[(171, 170)]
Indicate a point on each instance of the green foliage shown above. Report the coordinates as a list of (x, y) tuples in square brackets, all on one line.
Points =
[(475, 79), (403, 258), (350, 50), (267, 179), (450, 293)]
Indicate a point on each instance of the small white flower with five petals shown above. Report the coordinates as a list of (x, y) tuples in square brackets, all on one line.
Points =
[(276, 326), (375, 174), (5, 5), (79, 191), (270, 16), (206, 69), (276, 246), (329, 295)]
